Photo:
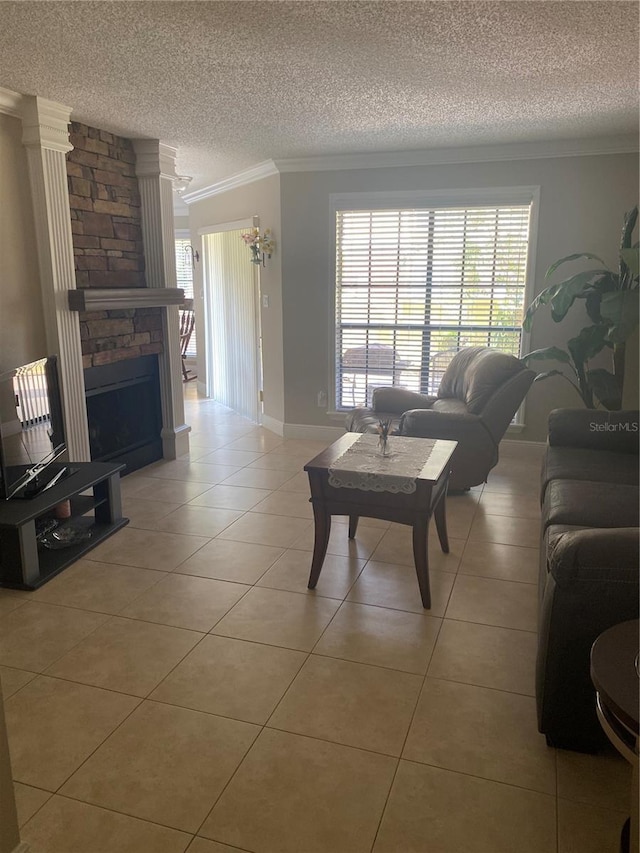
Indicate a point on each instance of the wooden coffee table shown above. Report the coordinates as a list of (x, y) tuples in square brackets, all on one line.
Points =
[(414, 509)]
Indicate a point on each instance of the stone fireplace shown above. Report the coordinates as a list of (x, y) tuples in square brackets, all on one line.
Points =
[(105, 244)]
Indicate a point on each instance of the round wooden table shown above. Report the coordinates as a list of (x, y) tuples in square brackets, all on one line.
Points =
[(615, 674)]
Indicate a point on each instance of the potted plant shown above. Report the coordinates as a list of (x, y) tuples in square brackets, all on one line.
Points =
[(611, 302)]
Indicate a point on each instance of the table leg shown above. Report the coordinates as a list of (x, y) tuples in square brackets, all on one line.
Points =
[(321, 541), (421, 558), (353, 525), (440, 515)]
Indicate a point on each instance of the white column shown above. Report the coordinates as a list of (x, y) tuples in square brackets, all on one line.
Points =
[(45, 135), (156, 170)]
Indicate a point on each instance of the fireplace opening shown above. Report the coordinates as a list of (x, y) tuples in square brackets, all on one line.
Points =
[(124, 412)]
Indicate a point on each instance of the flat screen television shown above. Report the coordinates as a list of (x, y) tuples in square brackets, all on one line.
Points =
[(31, 429)]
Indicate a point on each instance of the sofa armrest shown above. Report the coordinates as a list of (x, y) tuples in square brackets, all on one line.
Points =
[(594, 429), (398, 400), (434, 423), (609, 554)]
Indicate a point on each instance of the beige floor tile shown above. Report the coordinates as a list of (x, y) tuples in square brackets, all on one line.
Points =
[(192, 472), (497, 503), (350, 703), (66, 826), (443, 812), (148, 549), (285, 503), (396, 546), (298, 483), (508, 531), (513, 486), (291, 572), (261, 529), (295, 794), (185, 601), (54, 725), (198, 520), (156, 489), (494, 602), (126, 655), (144, 514), (278, 618), (11, 680), (232, 456), (164, 764), (231, 497), (9, 602), (586, 829), (363, 522), (36, 635), (28, 801), (505, 562), (231, 678), (263, 442), (486, 656), (362, 547), (487, 733), (597, 780), (255, 478), (102, 587), (240, 562), (277, 461), (396, 586), (201, 845), (381, 637)]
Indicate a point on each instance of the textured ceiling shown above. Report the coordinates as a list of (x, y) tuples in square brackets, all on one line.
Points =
[(231, 84)]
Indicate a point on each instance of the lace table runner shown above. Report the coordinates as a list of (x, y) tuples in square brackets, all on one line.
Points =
[(363, 466)]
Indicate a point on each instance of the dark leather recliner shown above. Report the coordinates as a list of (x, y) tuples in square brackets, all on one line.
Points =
[(480, 393)]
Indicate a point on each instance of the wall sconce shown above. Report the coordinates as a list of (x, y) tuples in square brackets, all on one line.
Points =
[(193, 254), (261, 244)]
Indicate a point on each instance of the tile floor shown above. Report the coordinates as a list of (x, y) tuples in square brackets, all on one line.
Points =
[(182, 690)]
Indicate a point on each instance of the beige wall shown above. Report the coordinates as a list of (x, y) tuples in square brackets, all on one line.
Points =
[(262, 199), (22, 336), (582, 203)]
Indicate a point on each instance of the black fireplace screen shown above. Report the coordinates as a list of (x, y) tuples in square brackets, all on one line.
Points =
[(124, 412)]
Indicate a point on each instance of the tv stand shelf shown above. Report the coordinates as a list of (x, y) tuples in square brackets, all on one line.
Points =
[(26, 564)]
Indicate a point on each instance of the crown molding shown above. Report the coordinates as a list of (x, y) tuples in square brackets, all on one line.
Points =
[(154, 158), (248, 176), (10, 103), (622, 144), (45, 124)]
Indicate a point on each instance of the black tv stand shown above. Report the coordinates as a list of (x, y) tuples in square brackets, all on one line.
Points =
[(27, 564)]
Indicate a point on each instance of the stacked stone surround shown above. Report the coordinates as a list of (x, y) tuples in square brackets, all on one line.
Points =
[(107, 242)]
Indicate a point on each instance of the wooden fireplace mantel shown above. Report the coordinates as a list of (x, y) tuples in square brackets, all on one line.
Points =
[(121, 298)]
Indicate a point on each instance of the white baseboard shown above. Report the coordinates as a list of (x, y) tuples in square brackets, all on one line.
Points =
[(518, 442), (273, 425), (313, 432)]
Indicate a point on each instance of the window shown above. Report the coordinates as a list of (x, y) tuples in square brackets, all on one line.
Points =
[(414, 285), (184, 276)]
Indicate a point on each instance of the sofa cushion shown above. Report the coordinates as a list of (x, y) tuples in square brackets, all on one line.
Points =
[(582, 502), (577, 463)]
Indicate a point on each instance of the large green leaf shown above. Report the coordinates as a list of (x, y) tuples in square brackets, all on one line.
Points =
[(620, 312), (606, 387), (568, 258), (587, 343), (631, 258), (629, 224), (547, 374), (542, 298), (571, 289), (547, 354)]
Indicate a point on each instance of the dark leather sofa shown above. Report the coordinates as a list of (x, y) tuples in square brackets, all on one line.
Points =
[(589, 562)]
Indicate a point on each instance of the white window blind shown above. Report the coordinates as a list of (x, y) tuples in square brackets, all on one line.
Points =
[(415, 286), (184, 277)]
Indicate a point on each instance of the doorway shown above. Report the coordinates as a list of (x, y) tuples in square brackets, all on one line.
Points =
[(232, 320)]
